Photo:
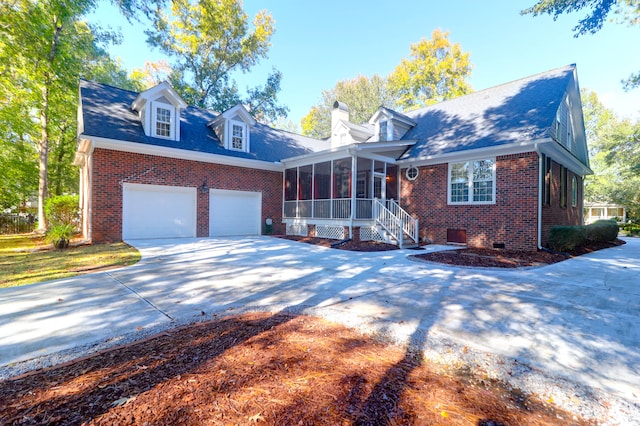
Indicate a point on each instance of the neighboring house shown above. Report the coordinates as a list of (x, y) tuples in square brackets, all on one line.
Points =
[(603, 211), (496, 168)]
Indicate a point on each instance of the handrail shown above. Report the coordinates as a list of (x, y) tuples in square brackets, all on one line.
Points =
[(395, 220)]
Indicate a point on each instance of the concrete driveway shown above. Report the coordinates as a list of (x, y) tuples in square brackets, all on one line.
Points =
[(577, 319)]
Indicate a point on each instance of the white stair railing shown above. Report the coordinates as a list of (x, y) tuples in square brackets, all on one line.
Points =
[(395, 220)]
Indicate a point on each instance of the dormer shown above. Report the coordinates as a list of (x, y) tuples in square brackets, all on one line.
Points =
[(233, 128), (390, 125), (159, 111)]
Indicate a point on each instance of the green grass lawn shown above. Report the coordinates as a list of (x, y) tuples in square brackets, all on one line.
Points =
[(28, 259)]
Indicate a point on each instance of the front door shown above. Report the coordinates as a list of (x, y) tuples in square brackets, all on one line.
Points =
[(379, 186)]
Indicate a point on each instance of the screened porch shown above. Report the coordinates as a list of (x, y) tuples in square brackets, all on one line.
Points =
[(343, 189)]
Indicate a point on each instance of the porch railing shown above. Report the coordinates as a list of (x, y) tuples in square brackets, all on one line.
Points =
[(337, 208), (395, 220)]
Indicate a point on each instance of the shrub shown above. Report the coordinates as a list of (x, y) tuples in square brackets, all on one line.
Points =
[(602, 231), (566, 238), (60, 234), (62, 209)]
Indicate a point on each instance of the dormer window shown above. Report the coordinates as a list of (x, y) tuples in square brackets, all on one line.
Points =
[(232, 128), (163, 122), (159, 111), (382, 134)]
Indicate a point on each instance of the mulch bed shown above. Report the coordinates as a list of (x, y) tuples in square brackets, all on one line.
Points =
[(350, 245), (273, 369), (499, 258), (472, 257)]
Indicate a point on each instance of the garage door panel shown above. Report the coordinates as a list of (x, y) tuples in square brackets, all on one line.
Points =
[(234, 213), (154, 211)]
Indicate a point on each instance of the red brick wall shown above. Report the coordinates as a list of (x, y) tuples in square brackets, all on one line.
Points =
[(554, 213), (112, 168), (512, 220)]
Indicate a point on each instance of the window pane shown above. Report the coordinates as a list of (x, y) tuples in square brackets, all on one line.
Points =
[(482, 170), (483, 191), (383, 131), (459, 192), (163, 122), (237, 137), (460, 182), (322, 181)]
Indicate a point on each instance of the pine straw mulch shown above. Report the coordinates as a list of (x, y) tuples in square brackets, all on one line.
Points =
[(258, 368)]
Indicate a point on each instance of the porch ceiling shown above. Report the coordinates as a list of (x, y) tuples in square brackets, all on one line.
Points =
[(388, 151)]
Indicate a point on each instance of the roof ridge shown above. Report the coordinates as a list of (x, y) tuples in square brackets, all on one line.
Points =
[(108, 85)]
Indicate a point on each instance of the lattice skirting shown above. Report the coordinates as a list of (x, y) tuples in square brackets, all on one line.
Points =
[(297, 229), (327, 231), (371, 233)]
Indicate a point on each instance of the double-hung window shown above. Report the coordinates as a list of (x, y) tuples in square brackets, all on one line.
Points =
[(162, 121), (237, 136), (472, 182), (382, 136)]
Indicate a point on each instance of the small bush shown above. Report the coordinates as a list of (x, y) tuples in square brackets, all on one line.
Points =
[(602, 231), (62, 209), (566, 238)]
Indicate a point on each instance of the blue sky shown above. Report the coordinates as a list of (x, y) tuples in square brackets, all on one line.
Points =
[(318, 43)]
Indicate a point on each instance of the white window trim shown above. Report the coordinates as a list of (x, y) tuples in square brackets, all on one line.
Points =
[(470, 184), (154, 120), (245, 134)]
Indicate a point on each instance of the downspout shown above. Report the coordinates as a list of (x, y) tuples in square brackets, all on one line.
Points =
[(540, 186)]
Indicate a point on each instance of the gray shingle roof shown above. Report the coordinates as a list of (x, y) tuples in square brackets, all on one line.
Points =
[(518, 111), (107, 114)]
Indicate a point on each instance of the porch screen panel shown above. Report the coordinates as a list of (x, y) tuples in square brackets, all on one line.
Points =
[(392, 182), (291, 184), (322, 190), (305, 190), (341, 206), (322, 177), (363, 185), (342, 178)]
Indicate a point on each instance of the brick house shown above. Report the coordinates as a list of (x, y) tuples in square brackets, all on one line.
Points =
[(496, 168)]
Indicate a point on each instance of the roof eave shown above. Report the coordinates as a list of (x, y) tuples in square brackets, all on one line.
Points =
[(183, 154)]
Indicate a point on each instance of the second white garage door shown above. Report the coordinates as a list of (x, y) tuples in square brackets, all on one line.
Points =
[(234, 213)]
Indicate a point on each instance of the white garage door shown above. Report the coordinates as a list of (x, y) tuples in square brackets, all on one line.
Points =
[(234, 213), (155, 211)]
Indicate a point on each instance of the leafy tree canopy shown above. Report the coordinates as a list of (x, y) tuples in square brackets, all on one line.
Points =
[(362, 94), (436, 70), (45, 47), (208, 41), (614, 147)]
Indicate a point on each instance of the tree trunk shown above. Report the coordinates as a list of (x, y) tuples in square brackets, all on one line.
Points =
[(43, 156)]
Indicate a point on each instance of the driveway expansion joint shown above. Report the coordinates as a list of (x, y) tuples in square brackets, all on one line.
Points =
[(141, 297)]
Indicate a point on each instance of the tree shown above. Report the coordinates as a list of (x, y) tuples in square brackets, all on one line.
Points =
[(614, 147), (209, 40), (437, 71), (362, 94), (627, 11), (44, 48)]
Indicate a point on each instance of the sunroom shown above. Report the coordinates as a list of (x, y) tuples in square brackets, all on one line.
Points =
[(348, 192)]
